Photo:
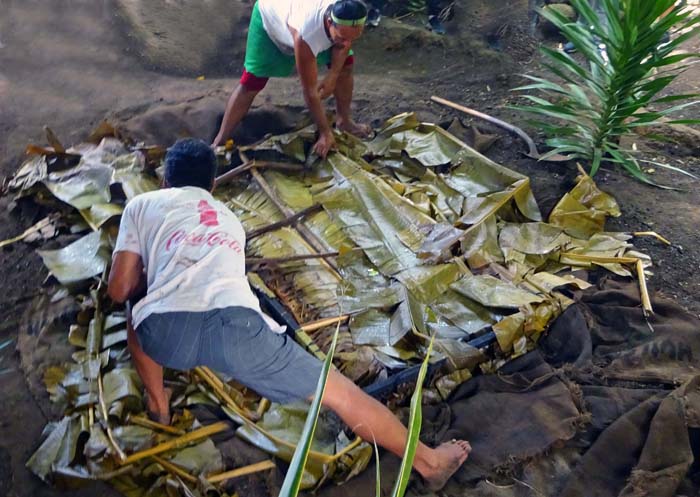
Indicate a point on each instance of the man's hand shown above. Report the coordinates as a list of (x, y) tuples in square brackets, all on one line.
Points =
[(327, 87), (325, 143)]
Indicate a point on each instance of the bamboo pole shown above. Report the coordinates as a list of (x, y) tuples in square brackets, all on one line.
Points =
[(305, 233), (286, 222), (532, 148), (178, 442), (220, 389), (175, 469), (322, 323), (247, 165), (565, 257), (644, 292), (147, 423), (238, 472), (281, 260)]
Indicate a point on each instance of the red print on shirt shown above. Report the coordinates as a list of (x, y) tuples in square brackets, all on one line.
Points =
[(207, 214)]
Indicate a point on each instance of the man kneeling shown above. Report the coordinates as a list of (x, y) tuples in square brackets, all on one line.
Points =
[(185, 250)]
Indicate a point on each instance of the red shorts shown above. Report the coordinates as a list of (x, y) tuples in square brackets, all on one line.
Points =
[(251, 82)]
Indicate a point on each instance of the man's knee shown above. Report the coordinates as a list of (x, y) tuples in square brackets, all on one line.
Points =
[(340, 391), (252, 83)]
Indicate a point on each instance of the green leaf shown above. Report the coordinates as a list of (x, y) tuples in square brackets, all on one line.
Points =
[(415, 420), (293, 479), (79, 261), (492, 292)]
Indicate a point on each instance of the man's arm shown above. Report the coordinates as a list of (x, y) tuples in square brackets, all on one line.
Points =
[(338, 58), (308, 73), (126, 278)]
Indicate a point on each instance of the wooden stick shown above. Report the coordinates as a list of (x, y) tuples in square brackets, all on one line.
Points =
[(305, 233), (33, 229), (322, 323), (175, 469), (285, 222), (532, 152), (246, 166), (176, 443), (121, 456), (220, 389), (280, 260), (564, 257), (263, 406), (652, 233), (245, 470), (147, 423), (644, 292)]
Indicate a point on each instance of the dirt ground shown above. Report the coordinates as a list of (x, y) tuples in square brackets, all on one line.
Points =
[(70, 63)]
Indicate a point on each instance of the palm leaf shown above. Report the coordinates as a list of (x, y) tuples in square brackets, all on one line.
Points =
[(293, 479), (414, 425), (605, 98)]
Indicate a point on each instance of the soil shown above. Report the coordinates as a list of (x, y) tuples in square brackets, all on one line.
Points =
[(71, 63)]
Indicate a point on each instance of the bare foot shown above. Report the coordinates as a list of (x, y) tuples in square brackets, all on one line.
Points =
[(158, 410), (448, 458), (360, 130)]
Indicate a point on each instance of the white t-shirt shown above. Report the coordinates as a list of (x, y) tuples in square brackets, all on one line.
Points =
[(192, 248), (305, 16)]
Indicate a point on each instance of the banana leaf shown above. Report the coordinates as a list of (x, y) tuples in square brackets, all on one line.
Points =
[(492, 292), (121, 383), (81, 186), (532, 238), (464, 313), (79, 261), (129, 172), (202, 458), (430, 149), (33, 171), (59, 448)]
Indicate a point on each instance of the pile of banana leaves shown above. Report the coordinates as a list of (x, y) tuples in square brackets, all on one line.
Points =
[(408, 236)]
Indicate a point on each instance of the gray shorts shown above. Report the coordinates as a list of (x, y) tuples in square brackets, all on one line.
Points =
[(235, 341)]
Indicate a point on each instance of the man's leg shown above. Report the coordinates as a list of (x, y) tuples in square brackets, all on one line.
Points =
[(343, 100), (237, 107), (151, 374), (371, 420)]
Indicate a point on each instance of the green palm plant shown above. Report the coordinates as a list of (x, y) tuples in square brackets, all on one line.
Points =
[(628, 62)]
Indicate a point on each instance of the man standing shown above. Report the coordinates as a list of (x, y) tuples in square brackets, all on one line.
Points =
[(186, 249), (284, 35)]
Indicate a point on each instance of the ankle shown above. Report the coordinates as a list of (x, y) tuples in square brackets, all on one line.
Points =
[(426, 462)]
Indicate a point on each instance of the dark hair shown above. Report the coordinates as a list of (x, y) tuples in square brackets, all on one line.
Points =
[(349, 10), (190, 162)]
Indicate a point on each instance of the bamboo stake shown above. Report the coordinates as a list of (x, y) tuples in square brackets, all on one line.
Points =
[(281, 260), (147, 423), (644, 292), (565, 257), (532, 148), (245, 470), (219, 388), (305, 233), (178, 442), (322, 323), (286, 222), (246, 166), (263, 406), (175, 469), (121, 456)]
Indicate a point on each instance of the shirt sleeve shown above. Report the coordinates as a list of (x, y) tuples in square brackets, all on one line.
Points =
[(128, 237), (309, 24)]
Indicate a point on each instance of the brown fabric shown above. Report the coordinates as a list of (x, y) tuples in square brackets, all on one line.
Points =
[(639, 389)]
